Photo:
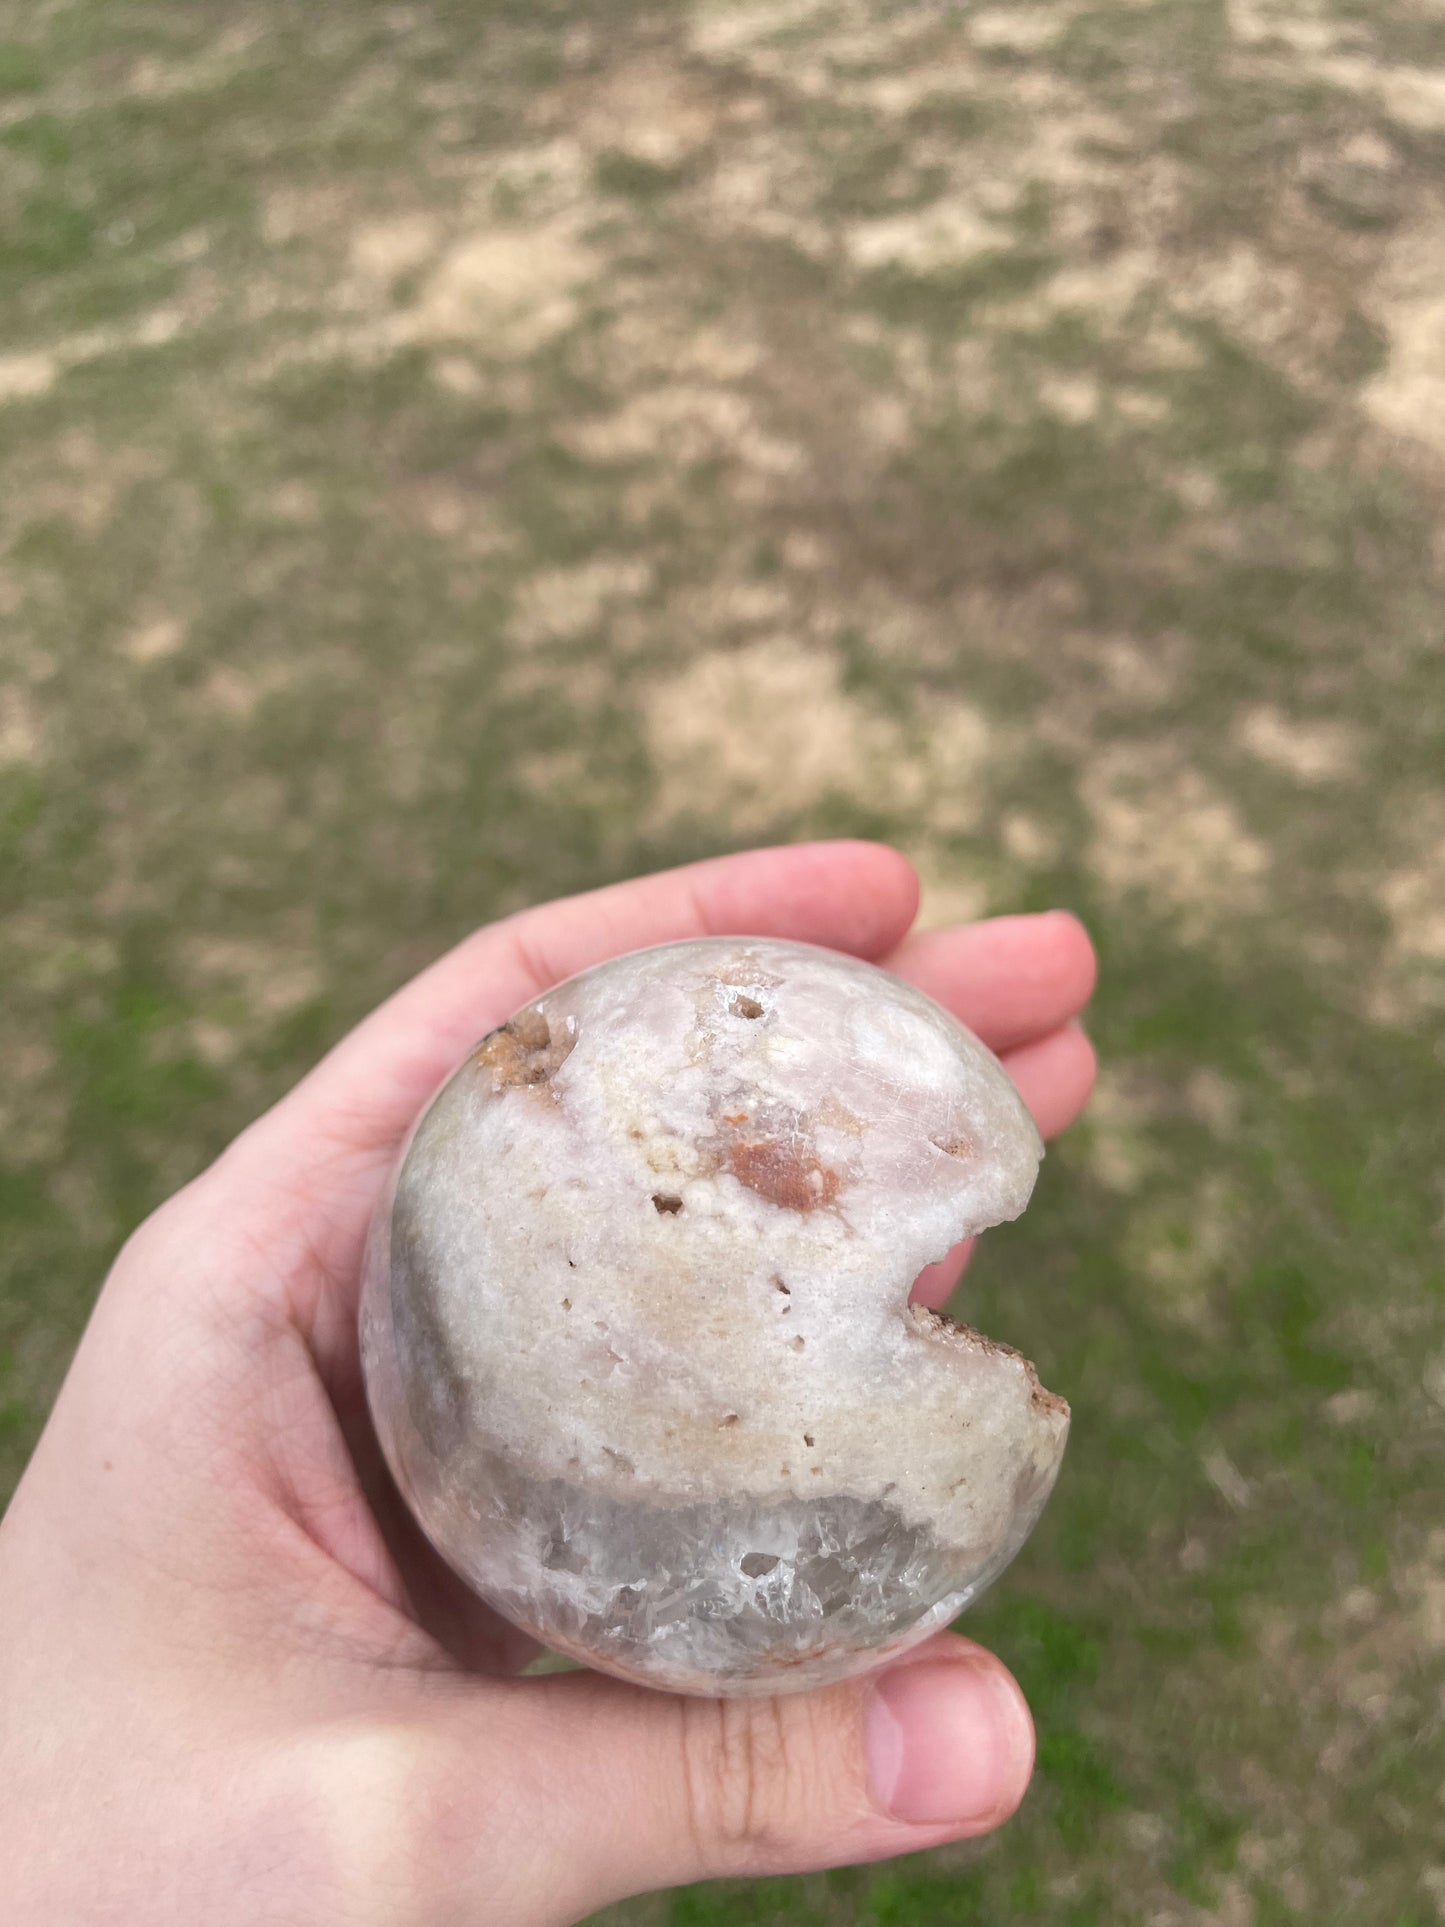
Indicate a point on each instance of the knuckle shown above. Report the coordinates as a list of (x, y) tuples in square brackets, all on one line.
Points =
[(375, 1822), (393, 1837), (749, 1779)]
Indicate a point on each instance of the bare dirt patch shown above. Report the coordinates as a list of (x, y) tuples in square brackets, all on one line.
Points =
[(769, 730), (1312, 750), (1407, 396), (1169, 832)]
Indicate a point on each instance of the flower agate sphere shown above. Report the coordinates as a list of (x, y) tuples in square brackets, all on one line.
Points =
[(636, 1331)]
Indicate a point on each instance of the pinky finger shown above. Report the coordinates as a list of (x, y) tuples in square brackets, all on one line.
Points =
[(934, 1285)]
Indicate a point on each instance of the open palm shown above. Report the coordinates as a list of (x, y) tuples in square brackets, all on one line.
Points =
[(238, 1687)]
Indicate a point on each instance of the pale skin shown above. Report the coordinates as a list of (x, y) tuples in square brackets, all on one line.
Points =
[(235, 1687)]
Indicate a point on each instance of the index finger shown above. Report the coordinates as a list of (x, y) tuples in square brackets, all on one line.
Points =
[(360, 1099)]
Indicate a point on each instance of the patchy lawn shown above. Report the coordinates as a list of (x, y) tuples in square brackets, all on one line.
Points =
[(453, 453)]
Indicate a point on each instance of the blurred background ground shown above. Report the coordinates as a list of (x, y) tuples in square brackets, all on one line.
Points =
[(454, 453)]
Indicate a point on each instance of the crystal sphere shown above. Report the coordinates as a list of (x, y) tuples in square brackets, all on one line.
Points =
[(635, 1322)]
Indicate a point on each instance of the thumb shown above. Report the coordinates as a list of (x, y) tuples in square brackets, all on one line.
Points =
[(617, 1789)]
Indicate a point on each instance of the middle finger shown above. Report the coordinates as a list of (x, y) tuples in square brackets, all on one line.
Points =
[(1010, 979)]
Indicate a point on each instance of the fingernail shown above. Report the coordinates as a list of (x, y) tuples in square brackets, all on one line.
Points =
[(945, 1739)]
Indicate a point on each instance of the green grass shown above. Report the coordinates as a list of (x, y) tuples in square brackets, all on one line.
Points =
[(342, 591)]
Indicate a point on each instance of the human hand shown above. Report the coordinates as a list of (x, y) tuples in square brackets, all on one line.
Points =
[(236, 1685)]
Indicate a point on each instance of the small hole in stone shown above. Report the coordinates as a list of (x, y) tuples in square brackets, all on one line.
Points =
[(571, 1264), (756, 1564), (798, 1342), (728, 1418), (956, 1146), (566, 1304), (807, 1438), (667, 1202), (786, 1290), (743, 1006)]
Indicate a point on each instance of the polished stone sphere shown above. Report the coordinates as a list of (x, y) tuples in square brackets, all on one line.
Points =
[(636, 1331)]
